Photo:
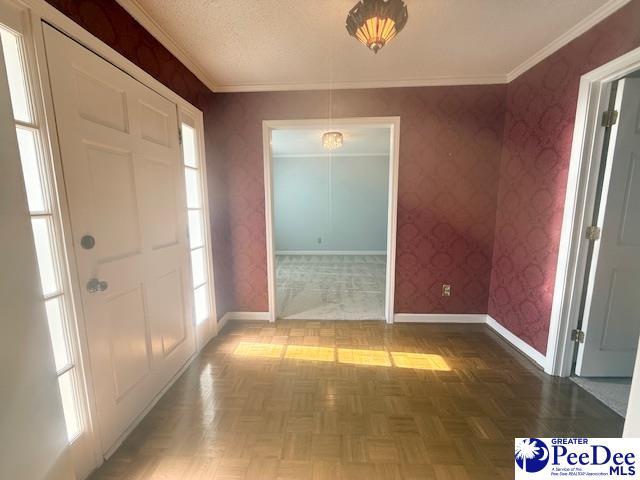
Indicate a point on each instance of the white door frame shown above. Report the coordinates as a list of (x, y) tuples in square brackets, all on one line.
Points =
[(37, 12), (586, 155), (392, 217)]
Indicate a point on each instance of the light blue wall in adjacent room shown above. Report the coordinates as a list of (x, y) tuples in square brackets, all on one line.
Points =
[(341, 201)]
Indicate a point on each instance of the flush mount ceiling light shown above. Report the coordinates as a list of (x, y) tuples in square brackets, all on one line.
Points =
[(376, 22), (332, 140)]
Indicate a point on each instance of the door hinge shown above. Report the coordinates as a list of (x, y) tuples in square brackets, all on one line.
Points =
[(593, 233), (180, 136), (609, 118), (577, 336)]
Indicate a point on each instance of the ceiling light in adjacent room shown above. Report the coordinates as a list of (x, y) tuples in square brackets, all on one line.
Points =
[(332, 140), (376, 22)]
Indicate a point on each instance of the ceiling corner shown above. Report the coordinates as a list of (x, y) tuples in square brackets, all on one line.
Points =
[(148, 23), (424, 82), (596, 17)]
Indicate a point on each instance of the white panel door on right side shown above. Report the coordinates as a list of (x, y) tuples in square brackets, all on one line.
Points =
[(125, 187), (612, 311)]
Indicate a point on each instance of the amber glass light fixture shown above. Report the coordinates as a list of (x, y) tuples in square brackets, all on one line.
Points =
[(376, 22), (332, 140)]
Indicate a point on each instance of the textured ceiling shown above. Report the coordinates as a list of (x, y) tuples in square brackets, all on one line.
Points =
[(308, 141), (281, 44)]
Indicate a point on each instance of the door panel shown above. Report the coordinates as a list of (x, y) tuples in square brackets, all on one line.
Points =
[(124, 181), (154, 124), (114, 201), (168, 302), (100, 102), (630, 225), (612, 311), (160, 196), (621, 305), (128, 340)]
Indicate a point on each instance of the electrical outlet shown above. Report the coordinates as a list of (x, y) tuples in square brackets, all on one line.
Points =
[(446, 290)]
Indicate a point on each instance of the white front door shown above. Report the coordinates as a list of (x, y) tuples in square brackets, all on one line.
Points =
[(612, 311), (125, 186)]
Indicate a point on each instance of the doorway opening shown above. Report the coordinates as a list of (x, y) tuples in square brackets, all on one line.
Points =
[(331, 218), (609, 321), (595, 322)]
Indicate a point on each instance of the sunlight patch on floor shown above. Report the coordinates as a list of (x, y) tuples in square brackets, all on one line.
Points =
[(420, 361), (353, 356), (320, 354), (376, 358)]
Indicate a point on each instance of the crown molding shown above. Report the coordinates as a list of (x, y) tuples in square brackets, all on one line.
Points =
[(328, 155), (574, 32), (146, 20), (143, 18), (427, 82)]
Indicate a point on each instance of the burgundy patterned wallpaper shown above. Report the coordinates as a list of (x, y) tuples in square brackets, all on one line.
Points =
[(541, 106), (449, 158), (454, 167), (113, 25)]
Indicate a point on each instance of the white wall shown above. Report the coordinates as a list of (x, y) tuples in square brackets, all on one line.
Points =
[(33, 439), (341, 201)]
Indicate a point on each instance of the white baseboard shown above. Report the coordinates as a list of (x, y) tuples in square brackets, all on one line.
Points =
[(249, 316), (439, 318), (331, 252), (223, 321), (517, 342)]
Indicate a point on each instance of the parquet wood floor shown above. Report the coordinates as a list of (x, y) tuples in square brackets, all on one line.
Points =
[(315, 400)]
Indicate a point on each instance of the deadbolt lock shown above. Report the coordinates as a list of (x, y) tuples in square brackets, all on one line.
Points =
[(87, 242)]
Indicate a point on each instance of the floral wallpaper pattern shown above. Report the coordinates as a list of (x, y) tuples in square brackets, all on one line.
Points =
[(541, 107), (483, 172), (450, 140)]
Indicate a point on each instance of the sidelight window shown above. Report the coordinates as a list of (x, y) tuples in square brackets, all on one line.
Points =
[(47, 229), (197, 234)]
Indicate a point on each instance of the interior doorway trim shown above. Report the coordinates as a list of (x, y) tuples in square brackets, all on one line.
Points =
[(392, 217), (588, 136)]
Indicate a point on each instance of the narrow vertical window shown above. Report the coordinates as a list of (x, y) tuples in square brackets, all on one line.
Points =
[(195, 212), (47, 230)]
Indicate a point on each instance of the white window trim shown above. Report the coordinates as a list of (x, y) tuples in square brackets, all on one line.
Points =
[(208, 329), (21, 21), (39, 11)]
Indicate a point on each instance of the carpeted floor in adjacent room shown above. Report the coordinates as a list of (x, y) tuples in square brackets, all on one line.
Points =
[(330, 287)]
